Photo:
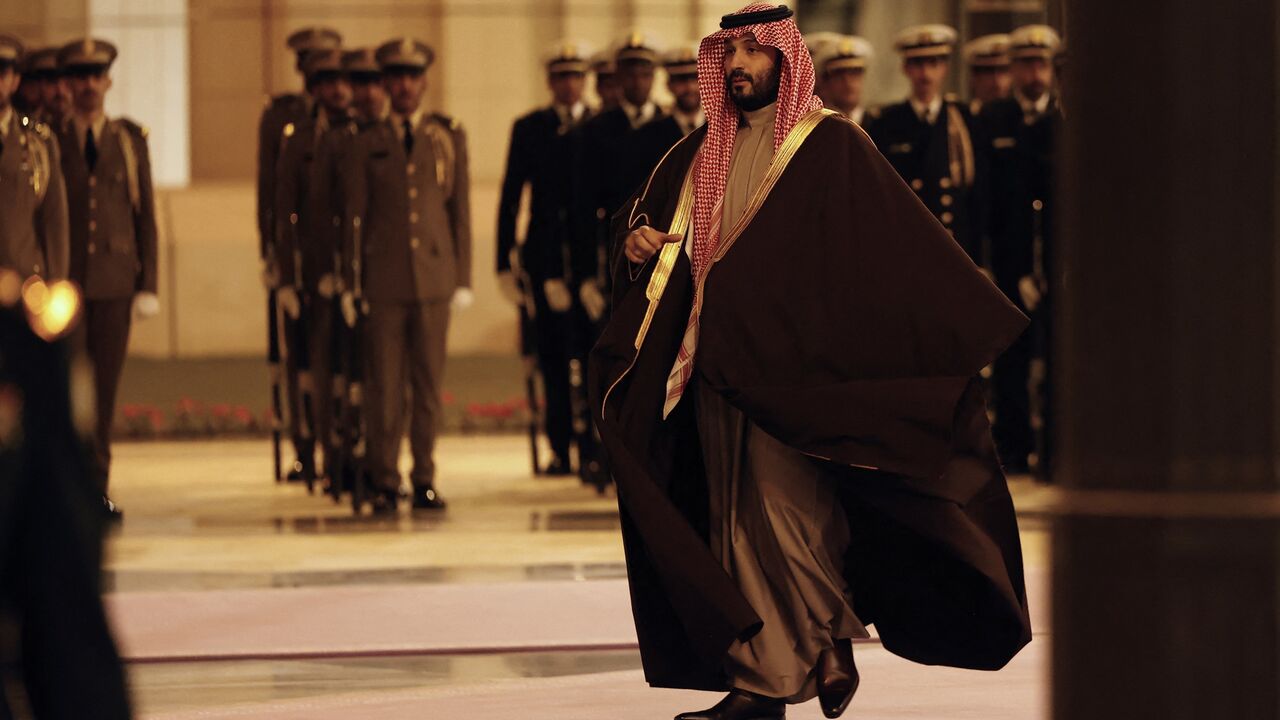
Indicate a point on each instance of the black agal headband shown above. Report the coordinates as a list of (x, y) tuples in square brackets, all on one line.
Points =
[(782, 12)]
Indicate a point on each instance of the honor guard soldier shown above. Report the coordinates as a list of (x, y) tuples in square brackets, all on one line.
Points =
[(33, 199), (929, 138), (55, 633), (603, 181), (111, 207), (653, 140), (308, 249), (814, 42), (541, 158), (842, 66), (1021, 130), (41, 68), (988, 60), (604, 65), (408, 229), (281, 111), (28, 96)]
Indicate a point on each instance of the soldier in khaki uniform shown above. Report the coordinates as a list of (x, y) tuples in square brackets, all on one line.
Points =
[(33, 197), (307, 247), (41, 68), (408, 215), (111, 207), (281, 111)]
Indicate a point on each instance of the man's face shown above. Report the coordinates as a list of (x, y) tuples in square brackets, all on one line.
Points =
[(566, 88), (8, 84), (636, 80), (56, 95), (844, 87), (406, 87), (990, 83), (31, 91), (89, 88), (1032, 76), (610, 91), (368, 97), (926, 75), (751, 74), (333, 93), (684, 89)]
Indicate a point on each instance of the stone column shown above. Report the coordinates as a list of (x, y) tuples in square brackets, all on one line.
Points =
[(1167, 381)]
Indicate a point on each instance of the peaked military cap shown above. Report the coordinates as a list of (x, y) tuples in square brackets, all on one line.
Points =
[(322, 61), (925, 41), (567, 56), (405, 53), (40, 63), (848, 52), (605, 62), (681, 61), (636, 47), (314, 38), (10, 51), (990, 51), (361, 62), (87, 53), (1034, 41), (815, 41)]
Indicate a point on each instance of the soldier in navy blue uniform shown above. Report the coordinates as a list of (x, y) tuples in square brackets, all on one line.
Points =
[(1021, 147), (652, 141), (840, 62), (932, 140), (988, 60), (541, 158), (602, 180), (604, 65)]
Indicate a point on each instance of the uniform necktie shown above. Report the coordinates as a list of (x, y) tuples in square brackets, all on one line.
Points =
[(408, 137), (90, 149)]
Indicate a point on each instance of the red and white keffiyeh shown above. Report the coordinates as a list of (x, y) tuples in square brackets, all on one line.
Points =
[(711, 171)]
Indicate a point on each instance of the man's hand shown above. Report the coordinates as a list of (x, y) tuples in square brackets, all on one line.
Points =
[(592, 299), (1029, 289), (349, 314), (146, 305), (328, 285), (510, 291), (270, 275), (287, 299), (559, 299), (644, 242), (462, 298)]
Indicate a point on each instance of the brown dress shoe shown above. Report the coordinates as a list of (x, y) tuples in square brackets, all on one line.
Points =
[(837, 678), (741, 705)]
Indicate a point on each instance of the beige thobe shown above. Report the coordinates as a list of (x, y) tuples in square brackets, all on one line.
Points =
[(776, 523)]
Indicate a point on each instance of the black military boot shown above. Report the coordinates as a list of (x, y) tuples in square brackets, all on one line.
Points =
[(426, 498), (559, 467), (384, 502), (741, 705), (837, 678)]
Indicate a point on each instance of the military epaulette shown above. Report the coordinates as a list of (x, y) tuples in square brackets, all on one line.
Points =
[(446, 121), (134, 128), (286, 101)]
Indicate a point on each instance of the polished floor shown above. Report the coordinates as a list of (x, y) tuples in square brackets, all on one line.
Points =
[(355, 617)]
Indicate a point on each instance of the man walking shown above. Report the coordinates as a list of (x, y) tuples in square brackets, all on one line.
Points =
[(788, 391)]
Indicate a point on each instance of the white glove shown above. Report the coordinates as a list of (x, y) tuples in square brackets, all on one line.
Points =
[(328, 285), (287, 299), (462, 299), (510, 291), (592, 299), (270, 275), (1030, 292), (559, 299), (146, 305), (349, 314)]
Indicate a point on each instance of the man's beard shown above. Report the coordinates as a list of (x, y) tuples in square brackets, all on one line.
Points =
[(764, 91)]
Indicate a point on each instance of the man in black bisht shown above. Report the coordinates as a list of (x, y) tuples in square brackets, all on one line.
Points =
[(540, 157), (1022, 130), (788, 393)]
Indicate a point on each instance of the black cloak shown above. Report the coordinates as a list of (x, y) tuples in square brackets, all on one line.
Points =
[(846, 322)]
